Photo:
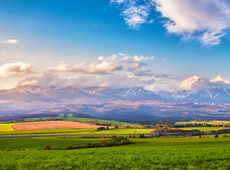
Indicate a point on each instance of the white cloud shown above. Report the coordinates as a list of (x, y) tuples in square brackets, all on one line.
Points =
[(211, 18), (10, 41), (220, 79), (99, 68), (134, 13), (125, 56), (16, 69), (113, 81), (205, 20), (103, 65), (187, 83), (135, 57), (141, 58), (118, 1), (197, 83)]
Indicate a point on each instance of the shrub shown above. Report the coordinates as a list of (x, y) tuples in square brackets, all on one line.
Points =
[(47, 147), (101, 128), (120, 138), (216, 135), (70, 147), (56, 148), (113, 139), (23, 149), (104, 141), (7, 149), (88, 145), (123, 142)]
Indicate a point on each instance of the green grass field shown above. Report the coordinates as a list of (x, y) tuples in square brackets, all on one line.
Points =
[(35, 143), (202, 122), (204, 129), (43, 118), (150, 153), (113, 122)]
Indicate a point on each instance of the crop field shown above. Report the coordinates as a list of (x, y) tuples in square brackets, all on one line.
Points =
[(75, 131), (4, 127), (53, 125), (83, 120), (144, 153), (47, 131)]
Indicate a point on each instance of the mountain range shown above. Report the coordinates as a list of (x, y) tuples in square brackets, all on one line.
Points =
[(219, 95), (53, 94), (31, 93)]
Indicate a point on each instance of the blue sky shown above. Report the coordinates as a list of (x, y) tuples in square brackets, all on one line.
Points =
[(74, 32)]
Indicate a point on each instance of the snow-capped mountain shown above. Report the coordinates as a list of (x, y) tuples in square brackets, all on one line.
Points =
[(102, 93), (36, 93), (215, 95), (175, 96), (52, 94), (70, 92), (138, 93)]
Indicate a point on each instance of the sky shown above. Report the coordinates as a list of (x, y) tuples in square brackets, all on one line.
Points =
[(159, 45)]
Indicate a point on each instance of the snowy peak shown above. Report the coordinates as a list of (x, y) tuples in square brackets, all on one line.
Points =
[(102, 91), (138, 93), (36, 93), (211, 95), (175, 96)]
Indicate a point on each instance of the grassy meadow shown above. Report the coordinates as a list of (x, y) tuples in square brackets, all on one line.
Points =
[(143, 153), (217, 122), (113, 122), (203, 129)]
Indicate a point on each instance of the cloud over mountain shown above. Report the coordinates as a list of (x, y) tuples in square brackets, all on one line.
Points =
[(113, 81), (197, 83), (103, 65)]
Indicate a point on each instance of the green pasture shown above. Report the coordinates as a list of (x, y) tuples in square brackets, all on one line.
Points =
[(144, 153), (35, 143), (113, 122), (43, 118), (203, 122), (204, 129)]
